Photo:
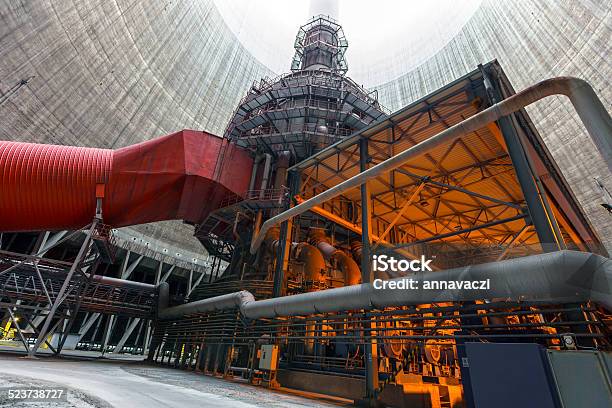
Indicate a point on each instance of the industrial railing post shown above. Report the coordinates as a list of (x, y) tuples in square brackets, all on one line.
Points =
[(370, 349)]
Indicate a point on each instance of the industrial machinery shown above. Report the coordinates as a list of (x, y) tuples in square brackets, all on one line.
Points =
[(283, 121), (311, 179), (490, 199)]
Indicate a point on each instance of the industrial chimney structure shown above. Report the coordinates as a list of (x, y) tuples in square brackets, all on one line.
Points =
[(283, 121), (313, 106)]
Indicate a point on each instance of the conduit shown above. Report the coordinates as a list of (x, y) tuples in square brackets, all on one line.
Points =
[(591, 111), (48, 187), (563, 276), (122, 283)]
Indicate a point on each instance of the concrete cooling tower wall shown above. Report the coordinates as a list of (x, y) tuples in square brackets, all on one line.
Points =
[(110, 74), (533, 41)]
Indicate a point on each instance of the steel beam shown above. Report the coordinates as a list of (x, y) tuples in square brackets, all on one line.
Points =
[(196, 284), (127, 272), (87, 325), (59, 298), (409, 201), (50, 242), (126, 335), (168, 273), (110, 325), (539, 216), (588, 106), (463, 231), (370, 347)]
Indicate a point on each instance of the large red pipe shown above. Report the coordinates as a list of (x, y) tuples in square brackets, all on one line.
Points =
[(49, 187)]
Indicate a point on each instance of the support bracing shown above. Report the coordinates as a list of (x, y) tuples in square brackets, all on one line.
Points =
[(60, 295)]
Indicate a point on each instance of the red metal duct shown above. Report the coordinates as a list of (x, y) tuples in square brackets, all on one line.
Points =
[(49, 187)]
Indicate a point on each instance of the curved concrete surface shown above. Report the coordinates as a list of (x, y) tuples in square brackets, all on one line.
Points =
[(135, 385), (109, 74), (535, 40)]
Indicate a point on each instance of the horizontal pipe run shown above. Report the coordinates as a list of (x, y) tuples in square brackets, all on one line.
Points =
[(563, 276), (122, 283), (591, 111), (215, 304)]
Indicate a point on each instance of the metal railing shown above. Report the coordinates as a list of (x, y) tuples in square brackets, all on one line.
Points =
[(269, 194)]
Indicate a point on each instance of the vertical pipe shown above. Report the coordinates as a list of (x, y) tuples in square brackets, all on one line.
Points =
[(266, 175), (370, 349), (285, 235), (280, 259), (254, 171)]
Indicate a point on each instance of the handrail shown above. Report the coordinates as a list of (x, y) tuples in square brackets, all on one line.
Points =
[(591, 111)]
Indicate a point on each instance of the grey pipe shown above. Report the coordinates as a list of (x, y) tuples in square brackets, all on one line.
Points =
[(591, 111), (122, 283), (256, 162), (563, 276), (266, 175), (282, 164), (215, 304), (163, 296)]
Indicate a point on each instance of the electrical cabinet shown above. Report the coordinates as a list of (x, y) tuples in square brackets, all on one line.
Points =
[(269, 357)]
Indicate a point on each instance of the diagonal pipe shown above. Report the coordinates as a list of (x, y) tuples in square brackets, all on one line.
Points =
[(591, 111)]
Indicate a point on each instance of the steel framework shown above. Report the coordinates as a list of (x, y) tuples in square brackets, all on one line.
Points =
[(49, 294)]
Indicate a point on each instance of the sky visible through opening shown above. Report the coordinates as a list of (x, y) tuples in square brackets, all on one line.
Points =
[(387, 38)]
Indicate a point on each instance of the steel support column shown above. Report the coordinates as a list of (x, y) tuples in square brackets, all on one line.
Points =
[(371, 348), (541, 219), (280, 259), (285, 236)]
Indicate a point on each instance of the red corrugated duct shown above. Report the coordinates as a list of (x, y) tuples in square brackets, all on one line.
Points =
[(49, 187)]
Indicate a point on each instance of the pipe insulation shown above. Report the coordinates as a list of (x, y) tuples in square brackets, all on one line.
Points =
[(348, 266), (49, 187), (591, 111), (123, 283), (562, 276)]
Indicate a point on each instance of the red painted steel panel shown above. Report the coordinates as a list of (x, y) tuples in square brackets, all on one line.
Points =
[(48, 187)]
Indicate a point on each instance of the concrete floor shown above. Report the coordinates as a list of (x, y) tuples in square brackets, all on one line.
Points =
[(123, 383)]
